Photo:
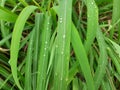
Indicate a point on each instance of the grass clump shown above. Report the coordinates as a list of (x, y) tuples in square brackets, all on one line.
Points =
[(59, 45)]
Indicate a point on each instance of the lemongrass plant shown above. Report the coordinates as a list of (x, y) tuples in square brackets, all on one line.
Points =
[(59, 45)]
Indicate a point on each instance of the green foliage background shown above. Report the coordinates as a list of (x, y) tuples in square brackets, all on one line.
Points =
[(59, 44)]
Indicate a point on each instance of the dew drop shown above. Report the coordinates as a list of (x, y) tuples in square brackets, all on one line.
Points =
[(9, 61), (55, 74), (44, 55), (45, 48), (62, 52), (110, 26), (46, 42), (60, 20), (61, 78), (66, 79), (92, 3), (63, 36), (56, 46)]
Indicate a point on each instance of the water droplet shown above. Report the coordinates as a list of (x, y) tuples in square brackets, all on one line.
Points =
[(66, 79), (61, 79), (110, 26), (88, 16), (55, 74), (56, 46), (61, 20), (92, 3), (64, 36), (62, 52), (9, 61), (48, 23), (46, 42), (44, 55), (45, 48)]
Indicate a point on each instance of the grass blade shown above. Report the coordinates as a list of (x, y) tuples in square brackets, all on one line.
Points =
[(75, 84), (82, 58), (115, 17), (5, 39), (115, 46), (23, 2), (114, 59), (62, 53), (28, 63), (15, 43), (73, 70), (44, 53), (38, 24), (100, 71), (92, 23)]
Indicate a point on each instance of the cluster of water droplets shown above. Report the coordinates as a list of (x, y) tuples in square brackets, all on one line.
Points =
[(45, 47), (46, 41), (61, 19)]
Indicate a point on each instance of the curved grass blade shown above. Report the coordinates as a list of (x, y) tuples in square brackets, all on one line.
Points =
[(82, 57), (92, 23), (101, 69), (44, 53), (15, 43), (62, 51)]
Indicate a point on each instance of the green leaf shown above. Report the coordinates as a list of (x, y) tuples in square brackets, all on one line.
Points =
[(62, 51), (7, 15), (39, 19), (102, 62), (15, 43), (44, 52), (82, 57), (92, 23), (28, 63)]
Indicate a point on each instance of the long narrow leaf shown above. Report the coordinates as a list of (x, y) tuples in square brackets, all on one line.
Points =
[(62, 55), (38, 27), (115, 17), (82, 58), (92, 23), (43, 56), (100, 72), (15, 43), (28, 63)]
